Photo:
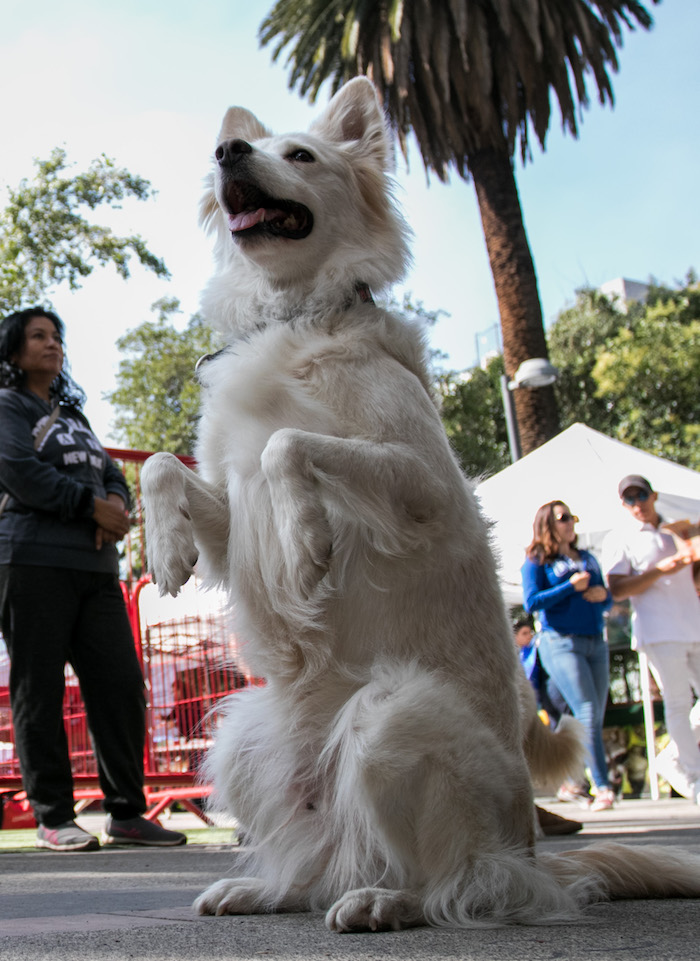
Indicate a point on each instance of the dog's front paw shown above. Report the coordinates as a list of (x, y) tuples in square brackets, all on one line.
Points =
[(170, 545), (375, 909), (232, 896), (172, 555)]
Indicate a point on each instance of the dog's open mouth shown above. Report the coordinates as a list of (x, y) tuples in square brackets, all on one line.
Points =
[(252, 212)]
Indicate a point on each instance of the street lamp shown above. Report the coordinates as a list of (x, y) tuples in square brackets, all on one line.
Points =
[(536, 372)]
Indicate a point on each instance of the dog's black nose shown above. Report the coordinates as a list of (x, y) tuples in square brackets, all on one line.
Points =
[(230, 152)]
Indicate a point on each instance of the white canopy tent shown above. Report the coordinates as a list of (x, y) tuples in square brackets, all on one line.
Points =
[(581, 467)]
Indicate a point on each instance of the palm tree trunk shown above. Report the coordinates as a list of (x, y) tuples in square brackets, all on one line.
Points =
[(516, 290)]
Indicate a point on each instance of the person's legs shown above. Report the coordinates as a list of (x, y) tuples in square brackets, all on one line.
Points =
[(678, 667), (104, 658), (551, 698), (38, 612), (578, 667)]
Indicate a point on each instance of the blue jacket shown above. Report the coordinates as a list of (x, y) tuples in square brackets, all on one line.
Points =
[(548, 590), (48, 518)]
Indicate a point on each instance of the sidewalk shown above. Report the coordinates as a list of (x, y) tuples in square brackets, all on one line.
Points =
[(118, 904)]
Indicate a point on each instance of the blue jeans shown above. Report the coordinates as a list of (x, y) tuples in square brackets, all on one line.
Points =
[(579, 666)]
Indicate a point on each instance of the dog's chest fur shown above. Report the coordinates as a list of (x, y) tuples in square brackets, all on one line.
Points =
[(328, 381)]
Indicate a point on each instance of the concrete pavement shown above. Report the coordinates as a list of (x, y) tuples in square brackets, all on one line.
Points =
[(117, 904)]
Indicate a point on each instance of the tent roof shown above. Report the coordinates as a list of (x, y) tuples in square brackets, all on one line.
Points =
[(581, 467)]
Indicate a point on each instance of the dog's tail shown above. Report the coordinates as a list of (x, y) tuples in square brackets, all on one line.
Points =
[(511, 887), (552, 756), (616, 871)]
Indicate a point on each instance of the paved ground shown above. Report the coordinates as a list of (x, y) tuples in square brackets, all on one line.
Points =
[(117, 904)]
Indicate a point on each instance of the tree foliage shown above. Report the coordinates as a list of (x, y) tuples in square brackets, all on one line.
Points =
[(575, 340), (473, 417), (463, 75), (45, 240), (156, 400), (633, 374)]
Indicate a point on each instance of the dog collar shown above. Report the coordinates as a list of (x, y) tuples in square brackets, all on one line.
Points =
[(205, 360)]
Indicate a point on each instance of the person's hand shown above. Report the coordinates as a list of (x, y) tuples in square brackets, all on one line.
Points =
[(111, 518), (674, 563), (580, 580), (596, 594)]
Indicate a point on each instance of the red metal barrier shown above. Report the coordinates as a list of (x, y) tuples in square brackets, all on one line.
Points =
[(190, 662)]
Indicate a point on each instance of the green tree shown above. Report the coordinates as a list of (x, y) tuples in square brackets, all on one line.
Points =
[(633, 373), (473, 79), (46, 241), (156, 400), (650, 374), (575, 340), (472, 412)]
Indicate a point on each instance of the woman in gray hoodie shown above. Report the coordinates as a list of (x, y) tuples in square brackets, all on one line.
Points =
[(64, 506)]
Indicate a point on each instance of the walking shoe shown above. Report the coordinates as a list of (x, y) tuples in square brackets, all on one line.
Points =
[(573, 792), (603, 800), (66, 837), (140, 831)]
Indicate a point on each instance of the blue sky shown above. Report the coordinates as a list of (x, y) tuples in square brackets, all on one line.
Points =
[(147, 82)]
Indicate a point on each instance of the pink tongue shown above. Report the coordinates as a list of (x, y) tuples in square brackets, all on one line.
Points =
[(245, 220)]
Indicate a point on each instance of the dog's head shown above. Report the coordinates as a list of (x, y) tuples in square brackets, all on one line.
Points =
[(308, 208)]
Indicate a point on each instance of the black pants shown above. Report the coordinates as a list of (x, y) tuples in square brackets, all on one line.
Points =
[(51, 616)]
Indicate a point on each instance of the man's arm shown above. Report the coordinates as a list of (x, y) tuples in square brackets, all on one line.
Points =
[(629, 585)]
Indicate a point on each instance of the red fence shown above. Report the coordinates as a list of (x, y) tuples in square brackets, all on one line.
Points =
[(190, 662)]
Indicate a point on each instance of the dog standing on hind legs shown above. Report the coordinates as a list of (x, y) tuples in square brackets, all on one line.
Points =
[(379, 774)]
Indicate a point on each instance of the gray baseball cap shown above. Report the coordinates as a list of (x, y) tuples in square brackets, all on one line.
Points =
[(634, 480)]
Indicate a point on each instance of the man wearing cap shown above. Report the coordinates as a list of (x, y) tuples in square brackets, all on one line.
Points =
[(661, 582)]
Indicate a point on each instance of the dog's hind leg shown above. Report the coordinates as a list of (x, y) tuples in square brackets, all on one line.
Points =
[(183, 514), (451, 810)]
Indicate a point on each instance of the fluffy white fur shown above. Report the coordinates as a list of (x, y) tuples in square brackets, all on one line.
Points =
[(380, 773)]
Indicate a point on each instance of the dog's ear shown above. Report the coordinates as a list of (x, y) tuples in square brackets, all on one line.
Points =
[(241, 124), (355, 115)]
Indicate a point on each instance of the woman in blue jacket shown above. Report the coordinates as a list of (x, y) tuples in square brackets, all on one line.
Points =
[(63, 507), (565, 586)]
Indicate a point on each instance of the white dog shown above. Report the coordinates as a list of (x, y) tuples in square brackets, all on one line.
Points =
[(380, 772)]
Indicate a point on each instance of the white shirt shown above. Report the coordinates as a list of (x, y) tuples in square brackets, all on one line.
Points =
[(669, 610)]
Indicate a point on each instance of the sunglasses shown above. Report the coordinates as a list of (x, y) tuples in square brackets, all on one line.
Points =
[(631, 499), (565, 518)]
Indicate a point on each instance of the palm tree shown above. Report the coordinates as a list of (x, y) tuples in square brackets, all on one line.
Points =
[(472, 79)]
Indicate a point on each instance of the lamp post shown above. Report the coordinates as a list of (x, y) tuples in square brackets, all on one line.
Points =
[(536, 372)]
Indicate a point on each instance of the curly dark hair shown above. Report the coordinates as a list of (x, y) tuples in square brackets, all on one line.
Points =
[(64, 389), (544, 544)]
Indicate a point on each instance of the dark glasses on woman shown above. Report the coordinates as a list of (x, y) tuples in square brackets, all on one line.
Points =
[(631, 499), (565, 518)]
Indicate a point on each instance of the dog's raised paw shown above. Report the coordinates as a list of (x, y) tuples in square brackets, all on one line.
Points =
[(232, 896), (375, 909), (172, 555)]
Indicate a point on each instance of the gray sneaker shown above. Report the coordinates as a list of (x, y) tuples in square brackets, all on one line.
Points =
[(140, 831), (66, 837)]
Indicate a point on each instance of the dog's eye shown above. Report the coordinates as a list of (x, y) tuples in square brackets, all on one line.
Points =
[(300, 156)]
